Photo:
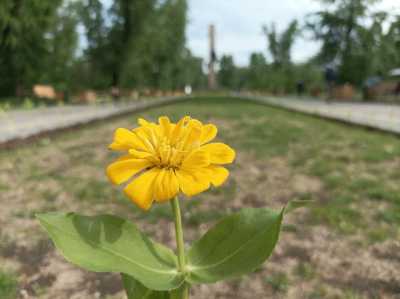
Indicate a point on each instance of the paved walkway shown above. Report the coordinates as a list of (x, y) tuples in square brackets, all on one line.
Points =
[(15, 125), (384, 117)]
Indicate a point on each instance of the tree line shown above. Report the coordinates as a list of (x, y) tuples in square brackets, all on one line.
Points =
[(135, 44), (76, 45), (356, 41)]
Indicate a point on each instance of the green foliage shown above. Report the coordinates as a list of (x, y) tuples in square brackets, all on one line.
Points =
[(24, 30), (305, 271), (280, 45), (256, 78), (360, 49), (104, 244), (25, 103), (62, 47), (278, 77), (236, 245), (296, 204), (380, 48), (8, 286), (279, 282), (339, 214), (133, 44), (227, 72), (143, 47), (135, 290)]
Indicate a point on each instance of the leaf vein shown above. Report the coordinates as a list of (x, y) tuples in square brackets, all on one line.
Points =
[(108, 250), (229, 256)]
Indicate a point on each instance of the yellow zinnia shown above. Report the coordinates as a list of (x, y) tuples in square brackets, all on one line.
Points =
[(166, 158)]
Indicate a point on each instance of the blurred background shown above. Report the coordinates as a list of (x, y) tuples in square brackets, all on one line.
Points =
[(81, 49), (71, 72)]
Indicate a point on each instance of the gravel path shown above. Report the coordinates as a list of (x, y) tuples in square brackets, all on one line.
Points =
[(16, 125), (380, 116)]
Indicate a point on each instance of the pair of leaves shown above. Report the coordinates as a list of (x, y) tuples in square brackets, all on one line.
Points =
[(236, 245)]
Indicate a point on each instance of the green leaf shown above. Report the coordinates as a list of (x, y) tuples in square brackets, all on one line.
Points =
[(237, 245), (107, 243), (135, 290)]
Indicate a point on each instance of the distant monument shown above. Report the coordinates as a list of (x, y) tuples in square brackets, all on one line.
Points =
[(212, 83)]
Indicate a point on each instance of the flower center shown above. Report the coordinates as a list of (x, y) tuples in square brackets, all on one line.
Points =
[(170, 156)]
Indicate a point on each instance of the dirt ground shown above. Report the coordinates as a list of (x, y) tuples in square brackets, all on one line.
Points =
[(313, 259)]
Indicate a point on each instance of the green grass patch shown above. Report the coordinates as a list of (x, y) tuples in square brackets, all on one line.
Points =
[(338, 213), (351, 163), (8, 285), (305, 271), (319, 292), (279, 282)]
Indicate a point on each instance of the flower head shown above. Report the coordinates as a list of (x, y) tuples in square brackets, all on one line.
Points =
[(166, 158)]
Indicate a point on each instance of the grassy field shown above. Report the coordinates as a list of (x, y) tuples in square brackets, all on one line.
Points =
[(346, 245)]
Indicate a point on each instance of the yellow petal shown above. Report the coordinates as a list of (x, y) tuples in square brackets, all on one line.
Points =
[(191, 183), (196, 159), (219, 153), (158, 185), (208, 133), (178, 129), (165, 125), (218, 175), (192, 138), (166, 186), (142, 134), (140, 154), (143, 122), (141, 189), (124, 168), (124, 157), (125, 139)]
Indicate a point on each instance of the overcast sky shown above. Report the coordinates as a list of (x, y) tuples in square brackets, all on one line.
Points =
[(239, 25)]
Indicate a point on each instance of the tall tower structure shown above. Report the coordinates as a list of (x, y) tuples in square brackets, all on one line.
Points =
[(212, 82)]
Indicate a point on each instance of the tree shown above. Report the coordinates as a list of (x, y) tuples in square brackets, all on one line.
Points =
[(96, 59), (257, 71), (133, 44), (281, 78), (170, 45), (192, 71), (280, 45), (154, 54), (129, 20), (341, 29), (63, 43), (382, 48), (24, 43), (227, 72), (113, 46)]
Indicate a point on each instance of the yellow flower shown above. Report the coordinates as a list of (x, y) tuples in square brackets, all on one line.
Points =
[(166, 158)]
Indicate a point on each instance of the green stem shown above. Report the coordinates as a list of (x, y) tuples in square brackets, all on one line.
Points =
[(185, 291), (180, 244)]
